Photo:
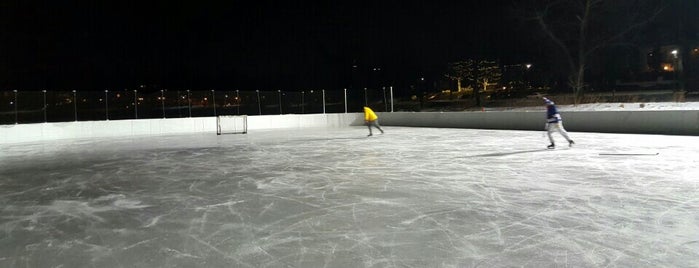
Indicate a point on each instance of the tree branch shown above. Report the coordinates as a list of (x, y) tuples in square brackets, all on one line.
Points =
[(556, 40), (608, 41)]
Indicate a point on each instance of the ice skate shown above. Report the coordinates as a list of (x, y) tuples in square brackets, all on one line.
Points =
[(551, 146)]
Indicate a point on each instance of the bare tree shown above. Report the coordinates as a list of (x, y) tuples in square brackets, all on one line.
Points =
[(582, 28)]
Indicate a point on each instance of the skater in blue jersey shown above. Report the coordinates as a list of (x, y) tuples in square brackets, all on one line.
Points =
[(554, 122)]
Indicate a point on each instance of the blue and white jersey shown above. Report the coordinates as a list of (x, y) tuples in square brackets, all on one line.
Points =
[(552, 115)]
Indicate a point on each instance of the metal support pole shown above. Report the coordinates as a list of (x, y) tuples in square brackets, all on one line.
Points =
[(238, 100), (280, 101), (391, 89), (179, 111), (213, 99), (345, 100), (385, 103), (179, 108), (106, 105), (15, 102), (189, 103), (366, 102), (323, 100), (135, 103), (303, 94), (162, 101), (259, 105), (75, 105), (45, 117)]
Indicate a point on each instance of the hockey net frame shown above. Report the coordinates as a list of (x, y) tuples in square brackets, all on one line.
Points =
[(231, 124)]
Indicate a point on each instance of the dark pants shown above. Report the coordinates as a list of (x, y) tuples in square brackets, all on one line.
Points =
[(375, 124)]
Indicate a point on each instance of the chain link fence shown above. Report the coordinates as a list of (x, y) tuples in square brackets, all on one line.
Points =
[(40, 106)]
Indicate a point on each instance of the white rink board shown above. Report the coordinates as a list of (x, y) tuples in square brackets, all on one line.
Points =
[(676, 122)]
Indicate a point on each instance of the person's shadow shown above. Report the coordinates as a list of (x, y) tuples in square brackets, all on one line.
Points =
[(510, 153)]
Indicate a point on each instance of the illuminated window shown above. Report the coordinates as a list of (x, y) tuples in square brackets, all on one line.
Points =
[(668, 67)]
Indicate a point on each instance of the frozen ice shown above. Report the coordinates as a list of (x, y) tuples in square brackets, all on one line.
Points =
[(413, 197)]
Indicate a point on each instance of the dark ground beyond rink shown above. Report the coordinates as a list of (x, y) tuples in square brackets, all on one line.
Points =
[(414, 197)]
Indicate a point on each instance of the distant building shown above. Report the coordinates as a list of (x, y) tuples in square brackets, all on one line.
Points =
[(668, 66)]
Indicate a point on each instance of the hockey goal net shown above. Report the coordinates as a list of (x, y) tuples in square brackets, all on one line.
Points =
[(231, 124)]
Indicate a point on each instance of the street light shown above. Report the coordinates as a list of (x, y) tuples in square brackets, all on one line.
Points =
[(676, 67)]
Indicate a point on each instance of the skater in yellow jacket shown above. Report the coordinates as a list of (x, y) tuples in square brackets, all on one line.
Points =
[(370, 119)]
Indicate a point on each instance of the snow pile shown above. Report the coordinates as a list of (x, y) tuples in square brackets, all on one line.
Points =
[(641, 106)]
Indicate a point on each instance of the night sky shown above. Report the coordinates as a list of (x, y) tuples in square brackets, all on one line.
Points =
[(266, 45)]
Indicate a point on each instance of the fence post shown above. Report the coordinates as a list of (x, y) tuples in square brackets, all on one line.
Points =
[(45, 117), (280, 101), (238, 100), (189, 103), (75, 105), (16, 121), (259, 105), (323, 100), (345, 100), (391, 89), (135, 103), (385, 103), (213, 98), (366, 102), (106, 104), (162, 101)]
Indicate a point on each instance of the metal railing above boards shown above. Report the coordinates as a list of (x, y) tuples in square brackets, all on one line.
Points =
[(43, 106)]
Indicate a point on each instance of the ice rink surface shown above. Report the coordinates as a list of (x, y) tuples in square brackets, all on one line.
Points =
[(413, 197)]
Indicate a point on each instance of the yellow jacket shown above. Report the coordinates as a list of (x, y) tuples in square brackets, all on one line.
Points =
[(369, 115)]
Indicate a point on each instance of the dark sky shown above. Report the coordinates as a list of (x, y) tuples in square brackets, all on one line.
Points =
[(266, 45)]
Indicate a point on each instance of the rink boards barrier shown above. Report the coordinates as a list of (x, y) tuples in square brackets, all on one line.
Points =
[(125, 128), (675, 122)]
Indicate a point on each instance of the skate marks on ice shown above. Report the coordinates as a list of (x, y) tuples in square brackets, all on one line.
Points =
[(327, 199), (628, 154)]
